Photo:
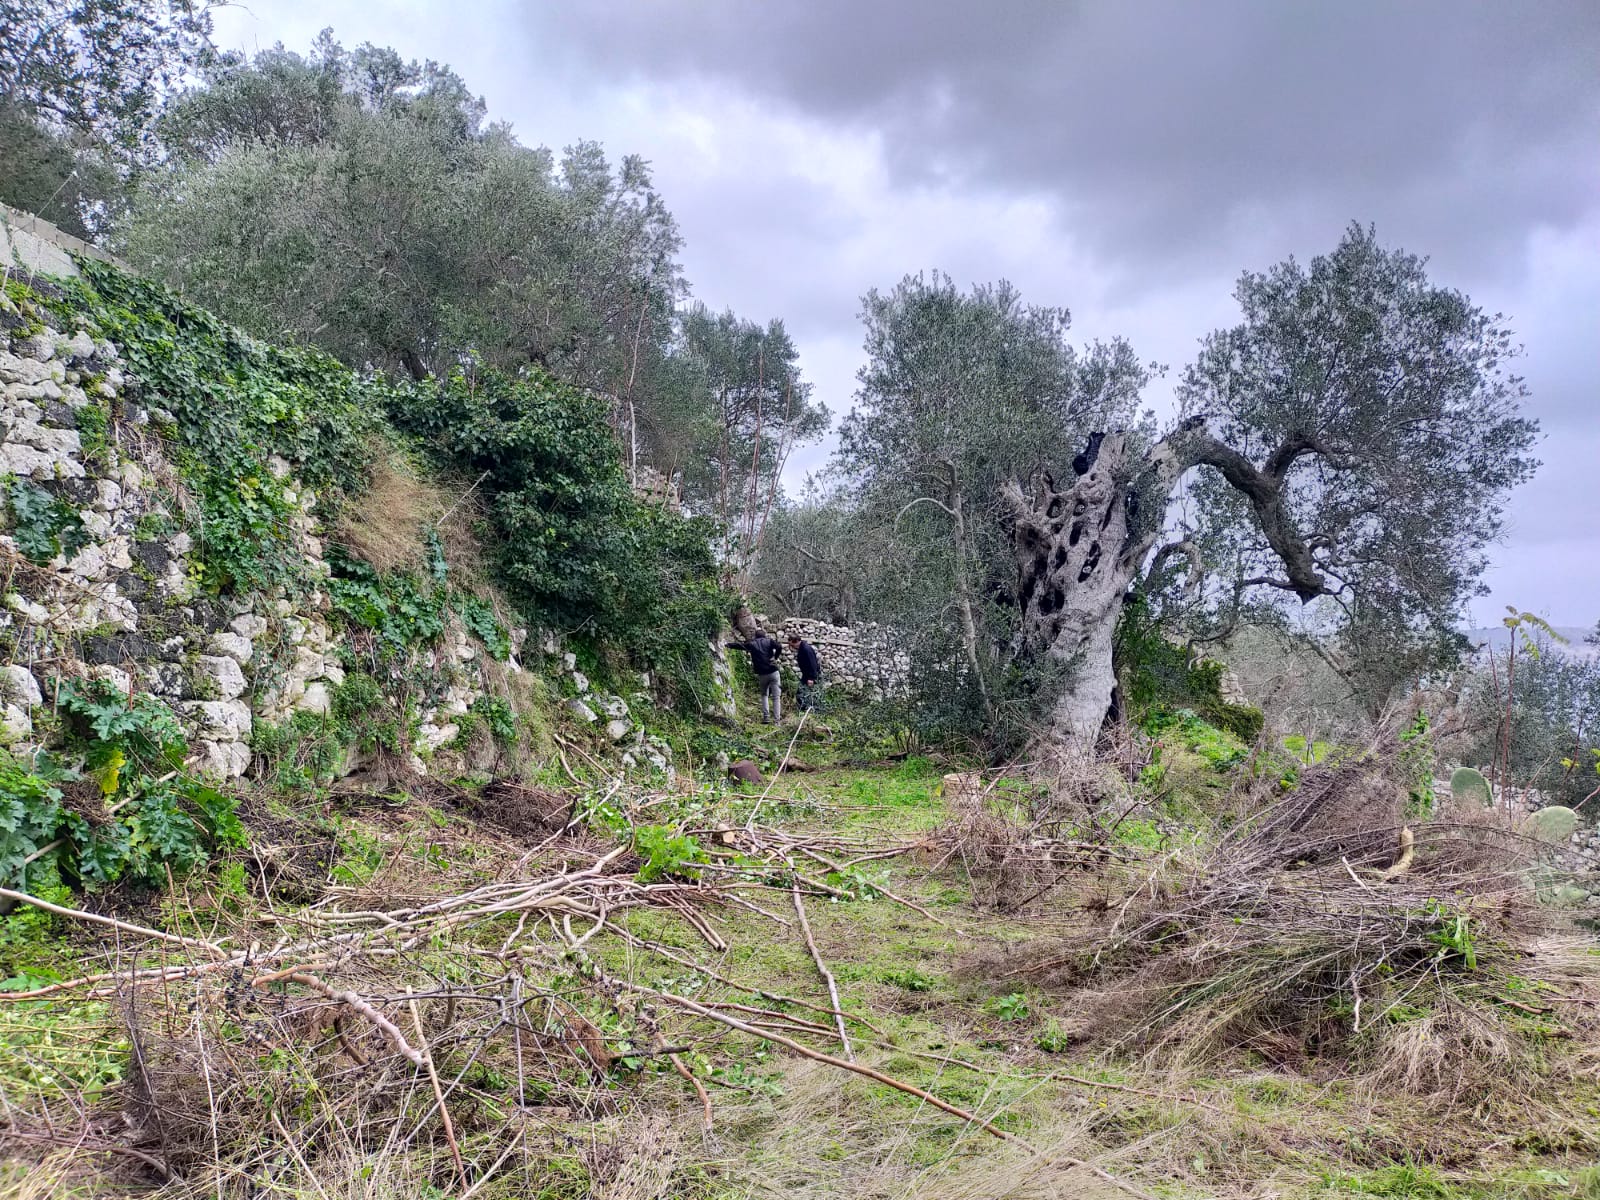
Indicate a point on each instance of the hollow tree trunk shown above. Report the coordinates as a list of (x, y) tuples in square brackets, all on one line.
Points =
[(1078, 551), (1076, 558)]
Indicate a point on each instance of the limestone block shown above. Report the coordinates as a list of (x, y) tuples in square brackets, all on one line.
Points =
[(81, 345), (248, 625), (333, 673), (580, 681), (230, 644), (223, 720), (316, 699), (15, 368), (617, 730), (224, 674), (569, 661), (18, 684), (430, 737), (115, 676), (29, 462), (614, 707), (581, 710), (223, 760), (15, 725)]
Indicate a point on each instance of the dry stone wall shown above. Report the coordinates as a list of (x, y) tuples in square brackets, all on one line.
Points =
[(860, 660), (126, 606)]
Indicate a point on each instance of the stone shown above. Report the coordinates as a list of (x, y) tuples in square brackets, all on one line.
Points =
[(617, 730), (248, 625), (15, 725), (89, 563), (614, 707), (26, 462), (224, 720), (181, 544), (315, 699), (115, 676), (108, 495), (581, 710), (580, 681), (430, 737), (569, 661), (230, 644), (223, 760), (224, 673), (18, 684), (333, 673), (81, 345)]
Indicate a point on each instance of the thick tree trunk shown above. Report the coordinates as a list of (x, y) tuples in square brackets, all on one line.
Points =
[(1076, 558), (1079, 550)]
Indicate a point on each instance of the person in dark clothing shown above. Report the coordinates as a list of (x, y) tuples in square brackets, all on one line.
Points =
[(810, 667), (764, 652)]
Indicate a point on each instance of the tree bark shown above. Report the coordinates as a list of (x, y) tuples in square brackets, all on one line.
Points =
[(1079, 550)]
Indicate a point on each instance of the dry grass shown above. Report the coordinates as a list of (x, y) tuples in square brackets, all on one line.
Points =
[(1310, 932), (385, 525)]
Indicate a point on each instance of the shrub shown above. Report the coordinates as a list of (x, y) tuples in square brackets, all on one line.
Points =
[(114, 802)]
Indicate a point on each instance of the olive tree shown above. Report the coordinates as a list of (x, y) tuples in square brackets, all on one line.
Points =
[(1357, 435), (961, 391)]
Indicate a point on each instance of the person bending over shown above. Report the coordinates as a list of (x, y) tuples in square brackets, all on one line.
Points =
[(764, 652)]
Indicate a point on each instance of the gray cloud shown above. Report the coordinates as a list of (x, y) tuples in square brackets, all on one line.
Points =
[(1167, 130)]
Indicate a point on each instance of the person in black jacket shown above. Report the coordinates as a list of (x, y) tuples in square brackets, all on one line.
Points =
[(810, 667), (764, 652)]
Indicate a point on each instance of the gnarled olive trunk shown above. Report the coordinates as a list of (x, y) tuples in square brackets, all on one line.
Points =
[(1079, 550), (1076, 558)]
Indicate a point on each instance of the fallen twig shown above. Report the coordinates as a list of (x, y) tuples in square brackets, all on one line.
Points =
[(827, 975)]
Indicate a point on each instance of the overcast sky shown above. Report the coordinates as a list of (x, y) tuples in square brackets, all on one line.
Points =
[(1124, 158)]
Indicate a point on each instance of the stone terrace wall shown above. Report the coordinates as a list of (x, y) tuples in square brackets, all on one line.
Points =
[(859, 660)]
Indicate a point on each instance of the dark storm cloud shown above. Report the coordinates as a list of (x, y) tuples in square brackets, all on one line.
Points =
[(1163, 127)]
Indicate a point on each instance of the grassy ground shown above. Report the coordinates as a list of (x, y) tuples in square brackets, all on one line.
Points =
[(906, 944)]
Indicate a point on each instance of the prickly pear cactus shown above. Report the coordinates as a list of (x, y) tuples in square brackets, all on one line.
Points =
[(1553, 825), (1469, 786)]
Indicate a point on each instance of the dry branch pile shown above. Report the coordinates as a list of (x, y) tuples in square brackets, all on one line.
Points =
[(1325, 922)]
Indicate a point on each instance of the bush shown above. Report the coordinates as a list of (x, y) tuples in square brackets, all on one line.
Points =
[(115, 799), (574, 547), (1157, 677)]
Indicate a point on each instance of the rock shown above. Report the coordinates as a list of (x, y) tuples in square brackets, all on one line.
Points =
[(333, 673), (580, 681), (223, 760), (614, 707), (223, 720), (617, 730), (18, 684), (431, 737), (224, 674), (81, 345), (581, 710), (569, 661), (248, 625), (746, 771), (115, 676), (89, 563), (232, 646), (315, 699), (15, 725), (108, 495)]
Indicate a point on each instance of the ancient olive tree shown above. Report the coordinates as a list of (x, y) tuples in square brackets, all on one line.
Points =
[(1357, 436), (961, 391)]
